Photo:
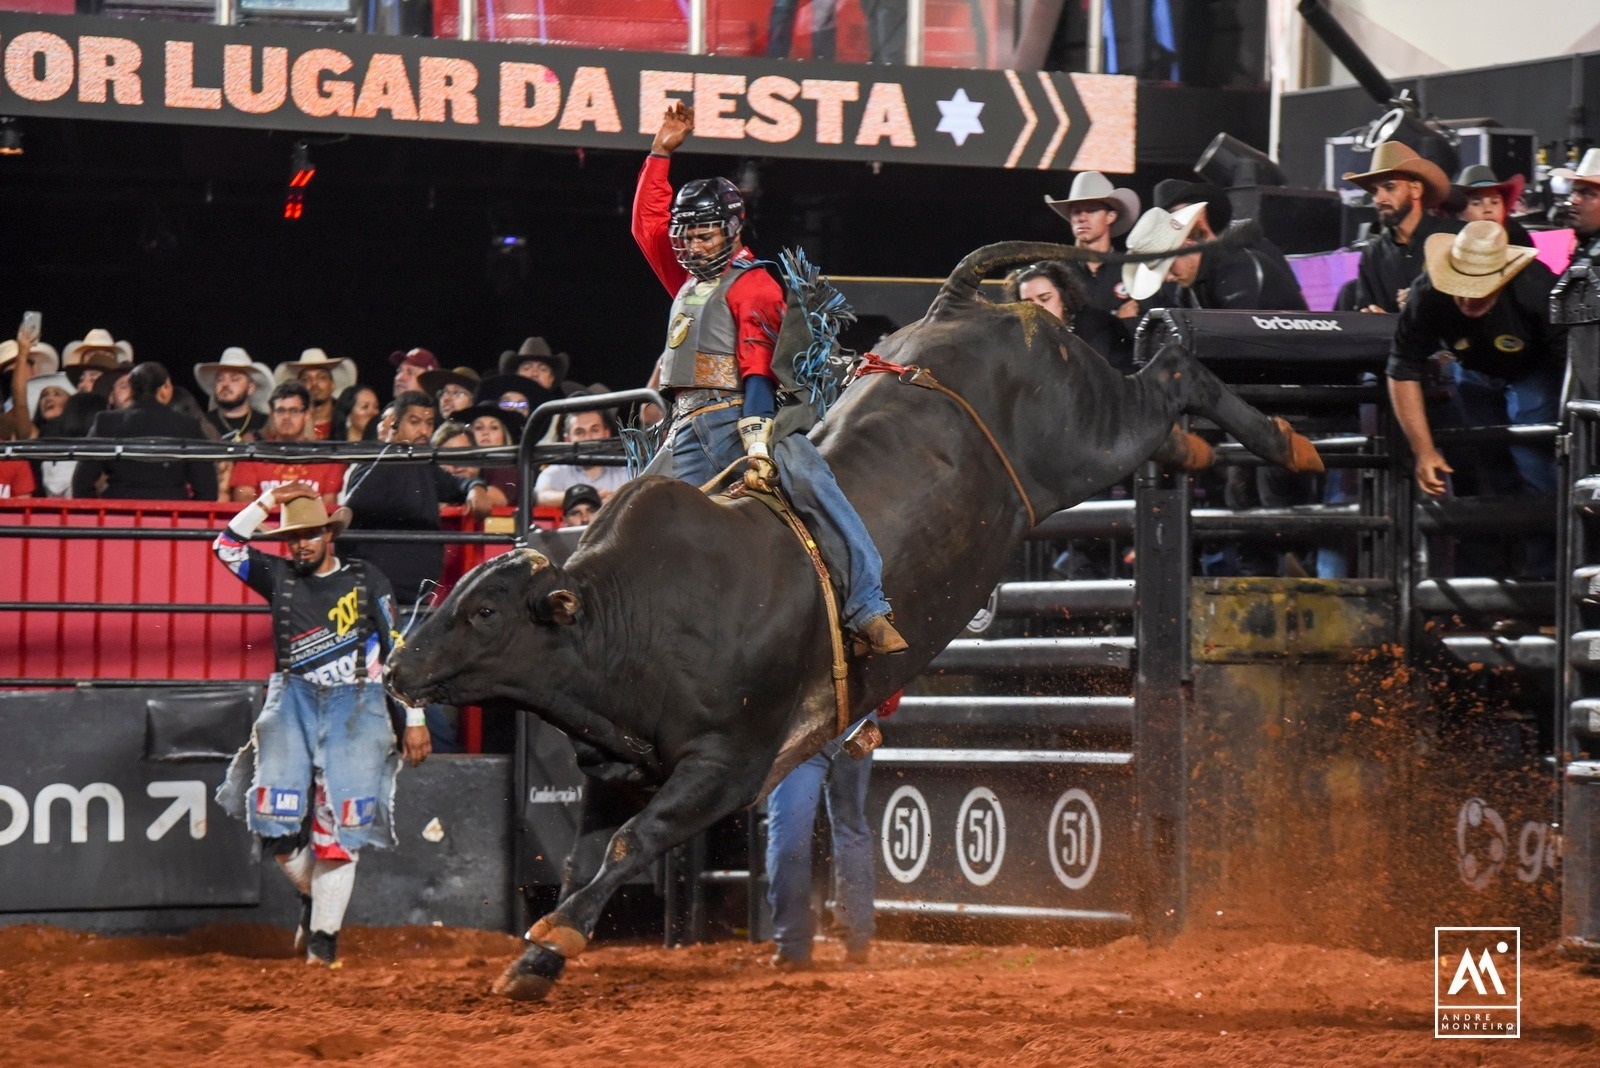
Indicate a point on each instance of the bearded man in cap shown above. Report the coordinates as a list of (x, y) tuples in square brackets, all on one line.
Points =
[(316, 782), (238, 387), (716, 371), (1405, 188), (1584, 207)]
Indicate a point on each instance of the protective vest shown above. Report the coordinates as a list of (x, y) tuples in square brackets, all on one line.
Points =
[(702, 336)]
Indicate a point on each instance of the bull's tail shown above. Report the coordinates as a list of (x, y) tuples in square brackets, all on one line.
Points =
[(962, 285)]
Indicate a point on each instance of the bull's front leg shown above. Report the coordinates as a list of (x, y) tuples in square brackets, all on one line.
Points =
[(697, 794)]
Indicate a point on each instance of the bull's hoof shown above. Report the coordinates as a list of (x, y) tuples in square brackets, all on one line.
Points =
[(1303, 456), (554, 934), (531, 976)]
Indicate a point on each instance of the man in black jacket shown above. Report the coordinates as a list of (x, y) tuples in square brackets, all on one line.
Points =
[(1236, 279), (1405, 188), (147, 417)]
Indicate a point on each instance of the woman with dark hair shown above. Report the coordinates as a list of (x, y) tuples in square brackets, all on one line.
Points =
[(1050, 285), (77, 415), (493, 426), (355, 413)]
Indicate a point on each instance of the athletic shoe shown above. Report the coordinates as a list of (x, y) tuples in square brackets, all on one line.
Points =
[(303, 932), (322, 948)]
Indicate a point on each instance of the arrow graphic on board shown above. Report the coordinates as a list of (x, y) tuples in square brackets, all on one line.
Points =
[(1031, 117), (188, 797), (1049, 156)]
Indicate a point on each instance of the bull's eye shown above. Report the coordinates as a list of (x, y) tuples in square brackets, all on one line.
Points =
[(485, 612)]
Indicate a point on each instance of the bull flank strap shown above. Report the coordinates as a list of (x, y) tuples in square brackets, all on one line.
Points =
[(873, 364)]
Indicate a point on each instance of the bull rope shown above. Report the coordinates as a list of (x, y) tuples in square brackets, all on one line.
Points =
[(775, 501), (873, 364)]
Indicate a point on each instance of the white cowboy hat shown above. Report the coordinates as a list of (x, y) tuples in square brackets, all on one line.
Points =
[(1476, 262), (343, 371), (38, 384), (236, 359), (44, 358), (1159, 230), (1092, 186), (1587, 170), (97, 339)]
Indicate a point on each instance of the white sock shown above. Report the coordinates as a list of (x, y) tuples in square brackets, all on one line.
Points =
[(331, 884), (297, 866)]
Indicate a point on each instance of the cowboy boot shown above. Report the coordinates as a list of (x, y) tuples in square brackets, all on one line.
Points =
[(877, 636)]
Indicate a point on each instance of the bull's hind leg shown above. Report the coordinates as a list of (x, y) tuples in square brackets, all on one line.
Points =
[(1198, 391), (697, 794)]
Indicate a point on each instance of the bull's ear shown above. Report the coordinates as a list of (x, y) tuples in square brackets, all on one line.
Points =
[(560, 606)]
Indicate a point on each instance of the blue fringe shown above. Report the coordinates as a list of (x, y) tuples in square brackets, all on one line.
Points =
[(827, 313)]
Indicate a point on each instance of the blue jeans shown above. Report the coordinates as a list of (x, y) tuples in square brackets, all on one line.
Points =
[(704, 445), (791, 820), (345, 731)]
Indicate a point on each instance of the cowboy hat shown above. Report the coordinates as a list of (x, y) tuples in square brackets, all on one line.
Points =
[(1094, 187), (109, 379), (434, 381), (514, 422), (1395, 157), (1158, 231), (536, 348), (1587, 170), (44, 358), (1477, 180), (308, 513), (343, 371), (94, 360), (97, 339), (1476, 262), (237, 359), (39, 383), (1173, 193)]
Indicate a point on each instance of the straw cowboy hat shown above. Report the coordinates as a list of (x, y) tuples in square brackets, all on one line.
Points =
[(1587, 170), (536, 348), (308, 513), (1092, 187), (1476, 262), (236, 359), (44, 358), (343, 371), (1159, 230), (94, 340), (1395, 158), (39, 383), (94, 360)]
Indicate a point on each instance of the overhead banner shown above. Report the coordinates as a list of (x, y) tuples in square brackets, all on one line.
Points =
[(286, 79)]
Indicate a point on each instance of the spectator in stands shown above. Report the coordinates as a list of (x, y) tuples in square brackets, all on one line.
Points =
[(1404, 187), (554, 481), (535, 360), (1478, 195), (147, 416), (239, 388), (46, 397), (18, 424), (355, 414), (86, 372), (409, 368), (115, 388), (77, 416), (16, 478), (1235, 278), (452, 390), (405, 496), (1058, 291), (78, 353), (325, 378), (1486, 303), (517, 394), (1098, 214), (1584, 207), (578, 505), (493, 428), (780, 28), (42, 359), (290, 414)]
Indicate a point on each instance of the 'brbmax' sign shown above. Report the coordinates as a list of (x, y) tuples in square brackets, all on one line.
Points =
[(416, 87)]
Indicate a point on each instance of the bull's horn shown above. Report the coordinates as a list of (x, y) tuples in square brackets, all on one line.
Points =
[(962, 285)]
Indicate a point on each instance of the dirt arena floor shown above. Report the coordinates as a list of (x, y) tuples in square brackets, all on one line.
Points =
[(420, 996)]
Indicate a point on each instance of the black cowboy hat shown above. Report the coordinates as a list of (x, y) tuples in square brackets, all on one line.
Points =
[(465, 377), (515, 422), (536, 348)]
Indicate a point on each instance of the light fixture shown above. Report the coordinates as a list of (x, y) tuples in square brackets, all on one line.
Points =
[(10, 137), (301, 171), (1232, 164)]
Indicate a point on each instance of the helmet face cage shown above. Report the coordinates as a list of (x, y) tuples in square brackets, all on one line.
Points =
[(706, 202)]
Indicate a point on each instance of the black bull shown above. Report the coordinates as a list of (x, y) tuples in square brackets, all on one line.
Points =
[(684, 648)]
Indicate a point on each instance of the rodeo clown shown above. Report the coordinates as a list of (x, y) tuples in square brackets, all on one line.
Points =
[(716, 371), (317, 780)]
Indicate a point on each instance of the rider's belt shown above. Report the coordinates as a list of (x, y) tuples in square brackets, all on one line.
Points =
[(689, 401)]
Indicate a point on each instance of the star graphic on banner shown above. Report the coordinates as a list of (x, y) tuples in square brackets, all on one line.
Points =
[(959, 117)]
